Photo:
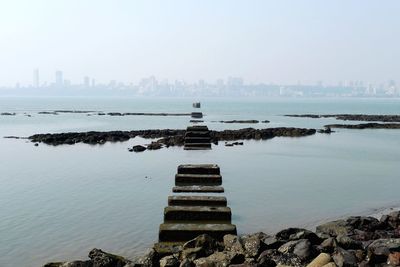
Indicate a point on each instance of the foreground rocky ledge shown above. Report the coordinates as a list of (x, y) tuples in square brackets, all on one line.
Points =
[(168, 137), (355, 241), (351, 117)]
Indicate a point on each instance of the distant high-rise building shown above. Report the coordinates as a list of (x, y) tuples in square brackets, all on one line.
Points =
[(59, 78), (36, 81), (93, 82), (86, 82)]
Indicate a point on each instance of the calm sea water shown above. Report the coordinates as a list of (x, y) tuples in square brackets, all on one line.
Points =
[(57, 203)]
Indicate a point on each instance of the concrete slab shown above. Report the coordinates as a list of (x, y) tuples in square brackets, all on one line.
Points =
[(198, 179), (198, 189), (197, 115), (195, 128), (198, 140), (197, 213), (170, 232), (198, 169), (197, 201), (197, 134)]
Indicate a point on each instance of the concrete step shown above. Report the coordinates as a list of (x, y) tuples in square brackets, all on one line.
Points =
[(197, 134), (198, 145), (198, 179), (197, 201), (198, 189), (196, 148), (175, 232), (197, 213), (197, 128), (198, 169), (198, 140), (197, 115)]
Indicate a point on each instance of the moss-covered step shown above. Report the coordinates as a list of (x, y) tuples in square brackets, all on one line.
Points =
[(173, 232), (214, 201)]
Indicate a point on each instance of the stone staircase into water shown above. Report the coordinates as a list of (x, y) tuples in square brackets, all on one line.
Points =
[(188, 216), (197, 138), (191, 211)]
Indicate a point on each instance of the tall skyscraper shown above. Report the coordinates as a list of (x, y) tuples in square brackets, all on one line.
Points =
[(36, 81), (59, 78)]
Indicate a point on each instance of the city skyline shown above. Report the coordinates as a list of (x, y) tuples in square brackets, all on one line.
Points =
[(230, 86)]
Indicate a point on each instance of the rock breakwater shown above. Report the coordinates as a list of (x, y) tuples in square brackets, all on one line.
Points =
[(355, 241)]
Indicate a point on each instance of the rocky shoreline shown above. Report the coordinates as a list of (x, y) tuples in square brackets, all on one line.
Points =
[(351, 117), (365, 126), (168, 137), (355, 241)]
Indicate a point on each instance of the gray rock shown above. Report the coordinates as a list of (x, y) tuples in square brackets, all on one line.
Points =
[(379, 250), (272, 242), (328, 245), (151, 259), (344, 258), (335, 228), (298, 233), (187, 263), (206, 243), (220, 259), (253, 244), (347, 242), (70, 264), (137, 148), (392, 219), (232, 243), (301, 248), (169, 261), (100, 258)]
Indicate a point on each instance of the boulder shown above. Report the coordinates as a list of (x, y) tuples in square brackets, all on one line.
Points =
[(220, 259), (100, 258), (187, 263), (291, 234), (151, 259), (344, 258), (169, 261), (208, 244), (328, 245), (379, 250), (137, 148), (392, 219), (335, 228), (347, 242), (321, 260), (232, 243), (70, 264), (253, 244), (154, 146), (301, 248), (394, 259), (272, 242)]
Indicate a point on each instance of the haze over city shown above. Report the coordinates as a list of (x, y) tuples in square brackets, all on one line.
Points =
[(271, 42)]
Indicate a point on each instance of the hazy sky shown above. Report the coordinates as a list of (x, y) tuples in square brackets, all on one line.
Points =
[(262, 41)]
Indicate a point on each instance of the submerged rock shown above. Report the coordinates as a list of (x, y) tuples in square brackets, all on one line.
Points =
[(137, 148)]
